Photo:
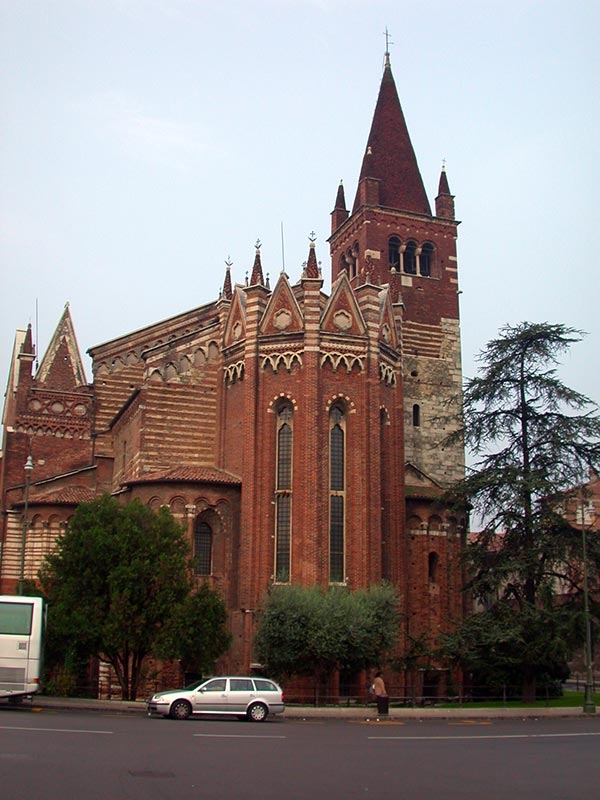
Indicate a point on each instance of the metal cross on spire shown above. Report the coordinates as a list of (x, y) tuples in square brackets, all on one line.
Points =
[(388, 42)]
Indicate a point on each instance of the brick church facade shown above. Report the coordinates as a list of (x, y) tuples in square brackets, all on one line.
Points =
[(297, 435)]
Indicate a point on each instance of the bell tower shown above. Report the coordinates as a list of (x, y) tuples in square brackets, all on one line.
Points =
[(391, 237)]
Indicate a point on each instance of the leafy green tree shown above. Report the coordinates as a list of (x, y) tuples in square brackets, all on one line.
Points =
[(494, 646), (305, 630), (533, 439), (114, 579), (196, 634)]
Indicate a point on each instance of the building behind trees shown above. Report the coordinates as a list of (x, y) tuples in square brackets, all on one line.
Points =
[(295, 433)]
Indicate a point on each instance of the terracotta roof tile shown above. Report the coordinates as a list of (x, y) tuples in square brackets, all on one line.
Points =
[(67, 495), (188, 474)]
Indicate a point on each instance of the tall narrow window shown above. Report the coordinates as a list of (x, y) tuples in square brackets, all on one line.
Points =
[(432, 566), (337, 479), (202, 548), (283, 494), (416, 415), (426, 259), (394, 253), (410, 258), (384, 446)]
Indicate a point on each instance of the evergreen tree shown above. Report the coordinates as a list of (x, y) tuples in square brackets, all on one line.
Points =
[(197, 632), (118, 576), (533, 440)]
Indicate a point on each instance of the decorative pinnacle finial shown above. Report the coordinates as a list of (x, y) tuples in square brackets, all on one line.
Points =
[(312, 237), (228, 262), (258, 244), (443, 165), (388, 41)]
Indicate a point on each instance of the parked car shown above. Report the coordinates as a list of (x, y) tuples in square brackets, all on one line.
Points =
[(244, 697)]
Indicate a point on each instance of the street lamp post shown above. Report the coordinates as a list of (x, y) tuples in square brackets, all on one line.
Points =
[(28, 468), (589, 706)]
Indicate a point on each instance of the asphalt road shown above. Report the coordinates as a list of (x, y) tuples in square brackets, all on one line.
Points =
[(53, 754)]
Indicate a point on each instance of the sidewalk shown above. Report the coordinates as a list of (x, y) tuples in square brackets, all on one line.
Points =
[(322, 712)]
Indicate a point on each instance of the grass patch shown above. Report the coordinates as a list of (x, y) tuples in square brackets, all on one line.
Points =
[(568, 700)]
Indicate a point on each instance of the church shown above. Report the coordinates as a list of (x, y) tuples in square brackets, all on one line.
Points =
[(298, 436)]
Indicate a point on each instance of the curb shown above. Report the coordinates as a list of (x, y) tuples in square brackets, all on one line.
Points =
[(365, 713)]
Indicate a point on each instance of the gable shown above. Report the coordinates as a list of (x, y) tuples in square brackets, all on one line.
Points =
[(235, 327), (388, 332), (62, 367), (282, 314), (342, 314)]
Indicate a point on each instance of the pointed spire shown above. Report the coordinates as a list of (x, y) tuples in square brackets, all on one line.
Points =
[(27, 346), (312, 268), (443, 186), (340, 200), (340, 212), (257, 273), (444, 202), (390, 174), (25, 357), (227, 293)]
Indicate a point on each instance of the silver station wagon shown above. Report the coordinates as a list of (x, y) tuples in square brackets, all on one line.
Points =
[(242, 697)]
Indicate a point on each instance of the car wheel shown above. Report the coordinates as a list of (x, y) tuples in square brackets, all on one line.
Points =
[(180, 709), (257, 712)]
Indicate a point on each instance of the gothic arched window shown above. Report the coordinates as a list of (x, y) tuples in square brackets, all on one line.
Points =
[(203, 538), (283, 493), (337, 494), (410, 258), (426, 260), (394, 253)]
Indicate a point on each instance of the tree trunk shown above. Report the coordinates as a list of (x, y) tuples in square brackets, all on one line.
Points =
[(529, 685)]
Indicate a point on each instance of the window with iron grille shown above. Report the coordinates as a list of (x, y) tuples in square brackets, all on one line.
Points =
[(202, 548), (337, 477), (283, 494)]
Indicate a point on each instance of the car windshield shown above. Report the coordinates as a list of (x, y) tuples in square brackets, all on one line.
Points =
[(193, 686)]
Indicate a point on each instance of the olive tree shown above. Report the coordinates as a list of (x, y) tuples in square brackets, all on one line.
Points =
[(307, 630)]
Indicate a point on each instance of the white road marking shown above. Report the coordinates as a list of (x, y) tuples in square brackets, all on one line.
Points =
[(236, 736), (485, 736), (51, 730)]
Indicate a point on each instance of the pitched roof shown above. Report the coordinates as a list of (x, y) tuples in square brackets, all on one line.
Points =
[(67, 495), (389, 155), (188, 474)]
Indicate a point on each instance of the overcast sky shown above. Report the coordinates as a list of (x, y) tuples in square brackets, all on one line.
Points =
[(144, 142)]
